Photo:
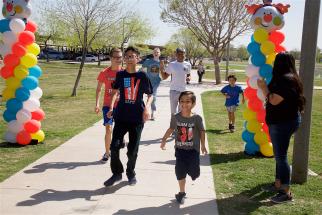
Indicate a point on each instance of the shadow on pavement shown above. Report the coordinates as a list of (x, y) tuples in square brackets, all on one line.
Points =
[(204, 161), (60, 165), (55, 195), (155, 141)]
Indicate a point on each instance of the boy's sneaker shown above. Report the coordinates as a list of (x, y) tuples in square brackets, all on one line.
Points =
[(113, 179), (232, 128), (132, 181), (105, 158), (270, 188), (281, 197), (229, 126), (180, 197)]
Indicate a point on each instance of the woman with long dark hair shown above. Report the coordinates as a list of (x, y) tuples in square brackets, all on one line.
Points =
[(284, 104)]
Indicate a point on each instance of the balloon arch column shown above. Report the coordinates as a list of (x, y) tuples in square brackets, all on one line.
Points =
[(20, 71), (265, 43)]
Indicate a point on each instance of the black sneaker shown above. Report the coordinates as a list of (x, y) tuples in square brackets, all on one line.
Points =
[(132, 181), (230, 126), (281, 197), (232, 129), (105, 158), (112, 180), (180, 197), (271, 188)]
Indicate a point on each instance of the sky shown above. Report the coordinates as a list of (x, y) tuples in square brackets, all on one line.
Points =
[(150, 10)]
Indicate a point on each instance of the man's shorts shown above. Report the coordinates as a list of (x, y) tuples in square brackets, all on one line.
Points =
[(231, 109), (187, 162), (107, 121)]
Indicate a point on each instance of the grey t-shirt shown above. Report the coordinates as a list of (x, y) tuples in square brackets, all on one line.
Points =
[(187, 130)]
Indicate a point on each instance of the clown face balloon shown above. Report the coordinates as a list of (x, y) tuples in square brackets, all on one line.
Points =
[(269, 18), (16, 9)]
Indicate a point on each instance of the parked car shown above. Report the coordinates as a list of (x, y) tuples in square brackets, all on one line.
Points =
[(56, 55), (88, 58)]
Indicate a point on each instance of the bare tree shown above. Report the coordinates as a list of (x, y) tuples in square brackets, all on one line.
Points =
[(210, 22), (87, 19)]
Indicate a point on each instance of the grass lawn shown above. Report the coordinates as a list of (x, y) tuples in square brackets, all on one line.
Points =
[(65, 116), (239, 178)]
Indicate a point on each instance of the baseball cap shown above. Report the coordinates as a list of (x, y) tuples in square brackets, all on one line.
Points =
[(180, 50)]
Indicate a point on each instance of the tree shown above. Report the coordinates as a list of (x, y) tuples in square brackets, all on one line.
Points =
[(87, 19), (296, 54), (214, 22), (242, 53), (194, 49)]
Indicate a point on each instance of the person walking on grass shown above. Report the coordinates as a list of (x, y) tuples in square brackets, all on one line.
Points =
[(189, 134), (107, 78), (200, 71), (129, 115), (152, 69), (284, 103), (231, 92), (180, 73)]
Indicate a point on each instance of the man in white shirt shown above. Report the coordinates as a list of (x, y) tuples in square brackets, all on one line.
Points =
[(180, 72)]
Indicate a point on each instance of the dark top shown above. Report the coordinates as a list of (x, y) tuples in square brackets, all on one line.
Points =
[(132, 86), (233, 92), (286, 110)]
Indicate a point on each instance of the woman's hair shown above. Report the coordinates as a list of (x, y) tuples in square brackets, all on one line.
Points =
[(190, 94), (284, 68)]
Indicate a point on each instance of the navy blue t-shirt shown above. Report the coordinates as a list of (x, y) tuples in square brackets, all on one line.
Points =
[(233, 92), (132, 86)]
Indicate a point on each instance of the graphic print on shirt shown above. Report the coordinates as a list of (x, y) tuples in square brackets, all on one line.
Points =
[(131, 89), (185, 135)]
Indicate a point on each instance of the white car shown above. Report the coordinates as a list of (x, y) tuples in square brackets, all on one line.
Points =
[(88, 58)]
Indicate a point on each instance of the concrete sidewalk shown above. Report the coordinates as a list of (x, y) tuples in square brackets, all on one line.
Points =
[(69, 180)]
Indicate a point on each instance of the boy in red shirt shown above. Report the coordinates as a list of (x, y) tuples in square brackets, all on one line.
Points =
[(107, 78)]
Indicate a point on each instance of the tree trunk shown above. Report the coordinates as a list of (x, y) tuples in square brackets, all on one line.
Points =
[(99, 60), (217, 69), (79, 72)]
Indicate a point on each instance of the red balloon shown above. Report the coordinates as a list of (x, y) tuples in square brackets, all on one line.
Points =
[(261, 116), (265, 128), (280, 48), (38, 115), (26, 38), (276, 37), (23, 137), (250, 93), (255, 105), (31, 26), (11, 60), (32, 126), (19, 50), (6, 72)]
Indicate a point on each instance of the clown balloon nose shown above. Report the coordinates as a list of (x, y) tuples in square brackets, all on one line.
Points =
[(267, 19), (21, 73)]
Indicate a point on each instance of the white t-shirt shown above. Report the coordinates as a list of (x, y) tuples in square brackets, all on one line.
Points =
[(179, 71)]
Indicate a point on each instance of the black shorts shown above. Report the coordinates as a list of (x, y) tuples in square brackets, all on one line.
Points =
[(187, 162)]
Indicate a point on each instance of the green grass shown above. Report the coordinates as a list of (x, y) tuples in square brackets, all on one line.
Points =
[(65, 116), (238, 178)]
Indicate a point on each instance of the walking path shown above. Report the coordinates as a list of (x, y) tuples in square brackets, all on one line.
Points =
[(69, 180)]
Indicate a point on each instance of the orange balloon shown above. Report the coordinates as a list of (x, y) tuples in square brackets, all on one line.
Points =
[(23, 137), (6, 72), (31, 26), (19, 50), (11, 60)]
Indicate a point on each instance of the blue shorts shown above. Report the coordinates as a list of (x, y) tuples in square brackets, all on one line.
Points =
[(107, 121)]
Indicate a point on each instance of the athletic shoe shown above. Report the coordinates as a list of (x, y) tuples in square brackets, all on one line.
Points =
[(180, 197), (115, 178), (281, 197)]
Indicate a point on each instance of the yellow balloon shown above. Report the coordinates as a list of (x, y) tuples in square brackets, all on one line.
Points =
[(261, 138), (29, 60), (260, 35), (21, 72), (267, 47), (33, 49), (270, 59), (13, 83), (267, 149), (253, 126), (249, 114), (39, 135), (7, 94)]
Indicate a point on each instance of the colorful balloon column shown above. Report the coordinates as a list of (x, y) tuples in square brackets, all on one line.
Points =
[(20, 71), (265, 43)]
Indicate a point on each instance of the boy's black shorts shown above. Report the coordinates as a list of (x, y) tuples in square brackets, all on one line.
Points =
[(187, 162)]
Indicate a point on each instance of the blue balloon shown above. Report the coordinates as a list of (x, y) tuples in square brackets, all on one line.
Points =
[(253, 48), (265, 70), (14, 105), (247, 136), (8, 116), (269, 79), (4, 25), (30, 82), (22, 94), (258, 59), (251, 148), (252, 38), (35, 71)]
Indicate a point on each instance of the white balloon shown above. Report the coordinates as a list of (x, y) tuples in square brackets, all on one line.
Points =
[(9, 38), (252, 70), (36, 93), (15, 127), (10, 137), (253, 81), (17, 25), (4, 50), (31, 104), (23, 116), (260, 95)]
